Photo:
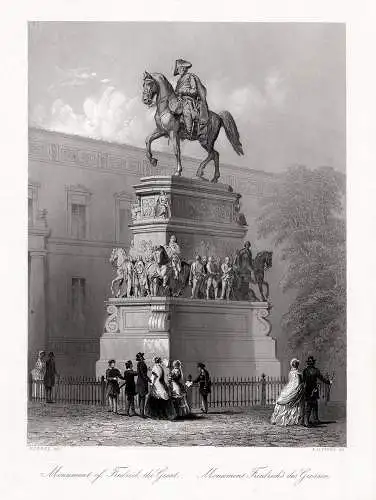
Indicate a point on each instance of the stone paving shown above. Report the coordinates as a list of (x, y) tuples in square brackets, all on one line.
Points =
[(79, 425)]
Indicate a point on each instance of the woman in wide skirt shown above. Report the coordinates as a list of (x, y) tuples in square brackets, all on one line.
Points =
[(158, 402), (289, 407), (178, 392)]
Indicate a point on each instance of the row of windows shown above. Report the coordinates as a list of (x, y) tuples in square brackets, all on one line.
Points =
[(78, 215)]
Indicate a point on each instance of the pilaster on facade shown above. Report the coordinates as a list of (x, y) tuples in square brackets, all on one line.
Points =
[(123, 201)]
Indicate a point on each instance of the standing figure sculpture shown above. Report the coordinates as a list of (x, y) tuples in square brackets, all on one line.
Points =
[(128, 277), (163, 206), (227, 279), (178, 111), (196, 276), (212, 278), (118, 260)]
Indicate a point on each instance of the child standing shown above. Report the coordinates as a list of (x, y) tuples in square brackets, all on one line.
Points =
[(130, 387), (188, 389), (113, 390)]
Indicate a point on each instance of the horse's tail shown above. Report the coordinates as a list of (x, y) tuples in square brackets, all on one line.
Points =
[(231, 131)]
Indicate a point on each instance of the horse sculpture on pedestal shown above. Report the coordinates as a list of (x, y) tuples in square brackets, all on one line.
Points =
[(170, 124), (261, 263), (161, 276)]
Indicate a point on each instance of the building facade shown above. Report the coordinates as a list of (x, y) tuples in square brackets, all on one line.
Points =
[(79, 197)]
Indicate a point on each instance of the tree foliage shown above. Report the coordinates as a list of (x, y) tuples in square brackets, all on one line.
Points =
[(304, 217)]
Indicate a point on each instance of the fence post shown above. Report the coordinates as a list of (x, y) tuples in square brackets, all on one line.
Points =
[(103, 391), (263, 390)]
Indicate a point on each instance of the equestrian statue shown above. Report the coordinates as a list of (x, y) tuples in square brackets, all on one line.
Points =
[(183, 114)]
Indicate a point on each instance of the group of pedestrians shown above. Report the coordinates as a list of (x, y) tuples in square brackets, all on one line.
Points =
[(165, 394), (298, 400)]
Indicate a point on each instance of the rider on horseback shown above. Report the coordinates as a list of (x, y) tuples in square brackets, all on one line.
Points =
[(191, 94)]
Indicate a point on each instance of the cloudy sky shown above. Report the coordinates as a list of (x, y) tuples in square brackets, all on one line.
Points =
[(283, 83)]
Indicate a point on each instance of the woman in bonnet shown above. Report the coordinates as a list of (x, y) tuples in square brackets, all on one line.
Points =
[(158, 403), (178, 392), (289, 407)]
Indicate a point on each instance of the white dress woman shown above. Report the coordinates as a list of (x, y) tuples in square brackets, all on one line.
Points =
[(289, 407), (37, 375), (158, 403), (178, 392)]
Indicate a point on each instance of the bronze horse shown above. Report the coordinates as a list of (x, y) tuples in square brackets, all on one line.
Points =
[(261, 263), (170, 125)]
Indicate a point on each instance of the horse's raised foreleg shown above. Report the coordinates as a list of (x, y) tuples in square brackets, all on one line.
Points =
[(176, 148), (152, 137)]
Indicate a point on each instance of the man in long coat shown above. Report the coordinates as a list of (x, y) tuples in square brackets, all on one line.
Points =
[(311, 375), (142, 384)]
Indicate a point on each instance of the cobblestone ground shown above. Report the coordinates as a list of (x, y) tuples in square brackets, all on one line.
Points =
[(79, 425)]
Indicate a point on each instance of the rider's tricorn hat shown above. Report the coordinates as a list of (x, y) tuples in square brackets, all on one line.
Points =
[(181, 63)]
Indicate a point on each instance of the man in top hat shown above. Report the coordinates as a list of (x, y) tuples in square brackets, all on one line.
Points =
[(311, 375), (192, 94), (142, 385)]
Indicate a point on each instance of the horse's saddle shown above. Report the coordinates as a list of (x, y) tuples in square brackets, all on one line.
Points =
[(175, 105)]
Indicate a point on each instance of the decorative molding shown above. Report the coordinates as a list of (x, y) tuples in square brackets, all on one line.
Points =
[(80, 243), (72, 346), (112, 322), (159, 318), (264, 325)]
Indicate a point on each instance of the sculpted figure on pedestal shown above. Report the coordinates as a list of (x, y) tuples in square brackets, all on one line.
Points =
[(212, 278), (136, 209), (163, 206), (141, 285), (202, 291), (227, 279), (263, 262), (239, 216), (117, 259), (173, 247), (196, 276), (243, 266), (183, 114), (128, 273)]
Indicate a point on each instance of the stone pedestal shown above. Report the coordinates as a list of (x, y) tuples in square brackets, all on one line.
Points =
[(231, 337), (203, 216)]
